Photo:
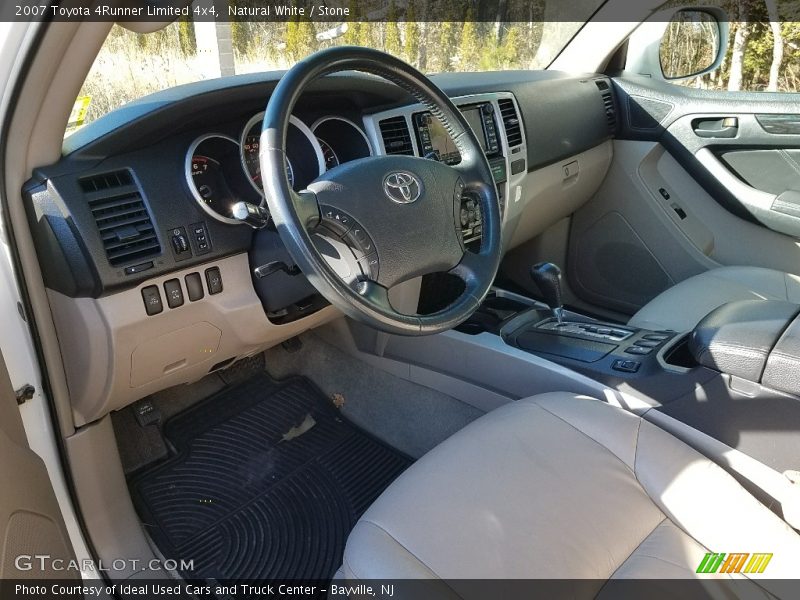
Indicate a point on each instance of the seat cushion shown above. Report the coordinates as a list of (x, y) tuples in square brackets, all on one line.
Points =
[(683, 305), (560, 486)]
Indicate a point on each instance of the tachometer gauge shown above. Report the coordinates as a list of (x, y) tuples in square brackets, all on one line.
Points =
[(205, 171), (215, 177), (331, 160)]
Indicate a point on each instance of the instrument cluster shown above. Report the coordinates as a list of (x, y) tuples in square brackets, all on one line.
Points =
[(221, 170)]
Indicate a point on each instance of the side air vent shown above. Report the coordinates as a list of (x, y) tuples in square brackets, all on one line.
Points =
[(122, 219), (508, 112), (608, 103), (396, 138)]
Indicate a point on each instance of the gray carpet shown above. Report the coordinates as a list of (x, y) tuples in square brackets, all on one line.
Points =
[(407, 416), (140, 446)]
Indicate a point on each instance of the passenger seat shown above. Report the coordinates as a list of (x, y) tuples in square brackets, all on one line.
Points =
[(682, 306)]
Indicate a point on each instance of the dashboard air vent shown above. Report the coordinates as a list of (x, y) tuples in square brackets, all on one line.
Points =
[(510, 121), (122, 219), (396, 138), (608, 103)]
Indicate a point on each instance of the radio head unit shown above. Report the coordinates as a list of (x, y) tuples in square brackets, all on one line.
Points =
[(435, 142)]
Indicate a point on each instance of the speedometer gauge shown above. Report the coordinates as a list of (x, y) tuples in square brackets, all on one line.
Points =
[(304, 160), (252, 160), (331, 160)]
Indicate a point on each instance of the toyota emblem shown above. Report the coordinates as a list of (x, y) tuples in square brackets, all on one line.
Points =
[(402, 187)]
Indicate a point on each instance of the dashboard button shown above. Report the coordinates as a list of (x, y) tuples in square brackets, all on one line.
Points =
[(152, 300), (138, 268), (179, 243), (657, 337), (174, 293), (199, 233), (194, 287), (647, 343), (626, 366), (638, 350), (214, 280)]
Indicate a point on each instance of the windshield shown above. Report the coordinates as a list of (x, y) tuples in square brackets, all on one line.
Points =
[(131, 65)]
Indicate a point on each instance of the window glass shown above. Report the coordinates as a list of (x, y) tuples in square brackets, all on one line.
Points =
[(528, 35), (763, 48)]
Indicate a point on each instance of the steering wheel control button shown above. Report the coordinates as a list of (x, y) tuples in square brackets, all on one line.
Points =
[(336, 221), (194, 287), (370, 266), (174, 293), (360, 242), (152, 300), (214, 280), (179, 242), (638, 350), (626, 365), (471, 220), (202, 243)]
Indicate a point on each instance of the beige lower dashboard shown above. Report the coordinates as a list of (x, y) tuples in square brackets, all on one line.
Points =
[(550, 193), (115, 354)]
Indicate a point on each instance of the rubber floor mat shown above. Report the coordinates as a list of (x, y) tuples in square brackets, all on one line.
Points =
[(266, 482)]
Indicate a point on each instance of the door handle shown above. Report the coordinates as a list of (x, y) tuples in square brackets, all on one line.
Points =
[(726, 127)]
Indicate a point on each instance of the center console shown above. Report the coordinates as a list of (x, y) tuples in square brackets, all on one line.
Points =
[(587, 345), (735, 377)]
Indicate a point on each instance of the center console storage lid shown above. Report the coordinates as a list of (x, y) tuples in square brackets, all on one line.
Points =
[(782, 371), (738, 338)]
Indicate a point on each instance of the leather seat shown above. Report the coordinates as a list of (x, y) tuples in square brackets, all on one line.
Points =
[(683, 305), (567, 487)]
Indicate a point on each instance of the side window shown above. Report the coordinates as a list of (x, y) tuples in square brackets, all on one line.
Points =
[(763, 48)]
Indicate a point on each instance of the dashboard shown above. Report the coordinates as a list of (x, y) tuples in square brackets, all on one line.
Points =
[(153, 283)]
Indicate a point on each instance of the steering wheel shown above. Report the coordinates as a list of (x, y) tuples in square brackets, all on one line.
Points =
[(399, 216)]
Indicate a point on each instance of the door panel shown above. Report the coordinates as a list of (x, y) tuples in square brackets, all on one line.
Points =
[(769, 198), (775, 170), (700, 179), (30, 519)]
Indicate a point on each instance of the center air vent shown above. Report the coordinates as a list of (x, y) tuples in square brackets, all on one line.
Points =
[(396, 138), (508, 112), (608, 103), (122, 219)]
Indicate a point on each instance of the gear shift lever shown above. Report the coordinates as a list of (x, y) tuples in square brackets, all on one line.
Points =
[(547, 278)]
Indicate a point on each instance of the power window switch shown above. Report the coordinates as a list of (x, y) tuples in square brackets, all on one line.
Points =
[(174, 293), (194, 287), (214, 280), (152, 300)]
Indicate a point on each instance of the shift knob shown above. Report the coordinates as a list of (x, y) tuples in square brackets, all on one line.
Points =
[(547, 278)]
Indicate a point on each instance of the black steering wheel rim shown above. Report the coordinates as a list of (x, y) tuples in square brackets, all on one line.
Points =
[(296, 214)]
